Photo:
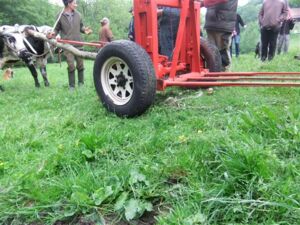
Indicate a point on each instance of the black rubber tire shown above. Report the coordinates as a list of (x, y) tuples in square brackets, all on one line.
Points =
[(210, 55), (142, 72)]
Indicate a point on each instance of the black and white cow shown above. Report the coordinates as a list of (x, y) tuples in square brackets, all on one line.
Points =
[(16, 44)]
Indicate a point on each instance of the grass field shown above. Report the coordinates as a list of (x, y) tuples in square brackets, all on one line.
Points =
[(228, 158)]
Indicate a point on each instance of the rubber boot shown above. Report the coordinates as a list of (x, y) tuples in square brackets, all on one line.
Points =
[(80, 77), (71, 79)]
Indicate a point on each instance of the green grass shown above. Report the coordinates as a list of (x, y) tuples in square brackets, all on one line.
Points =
[(228, 158)]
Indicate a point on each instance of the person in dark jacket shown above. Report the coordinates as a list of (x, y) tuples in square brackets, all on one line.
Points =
[(271, 15), (69, 25), (284, 34), (131, 34), (219, 24), (168, 27), (236, 35)]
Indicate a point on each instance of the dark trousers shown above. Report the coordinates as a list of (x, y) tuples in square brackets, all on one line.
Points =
[(268, 43), (167, 41), (71, 58), (1, 47)]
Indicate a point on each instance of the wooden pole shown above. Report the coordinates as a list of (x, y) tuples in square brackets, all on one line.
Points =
[(67, 47)]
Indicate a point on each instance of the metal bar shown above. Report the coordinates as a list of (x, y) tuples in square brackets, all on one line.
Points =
[(146, 29), (243, 78), (170, 3), (195, 31), (81, 43), (169, 83), (179, 38), (225, 74)]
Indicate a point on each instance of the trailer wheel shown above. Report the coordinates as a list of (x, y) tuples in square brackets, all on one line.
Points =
[(210, 55), (124, 78)]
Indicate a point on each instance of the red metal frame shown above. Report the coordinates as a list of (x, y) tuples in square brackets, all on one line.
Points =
[(187, 51), (186, 56)]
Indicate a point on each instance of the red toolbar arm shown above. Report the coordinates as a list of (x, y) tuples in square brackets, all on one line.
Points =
[(208, 3)]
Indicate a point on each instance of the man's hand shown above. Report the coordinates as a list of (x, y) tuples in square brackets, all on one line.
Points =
[(88, 30), (51, 35)]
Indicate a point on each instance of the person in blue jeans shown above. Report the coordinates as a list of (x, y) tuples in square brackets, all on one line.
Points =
[(236, 38)]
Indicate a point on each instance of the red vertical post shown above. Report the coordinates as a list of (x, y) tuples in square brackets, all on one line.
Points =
[(146, 28), (179, 38), (195, 35)]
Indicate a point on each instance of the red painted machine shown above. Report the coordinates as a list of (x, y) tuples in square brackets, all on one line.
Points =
[(127, 74)]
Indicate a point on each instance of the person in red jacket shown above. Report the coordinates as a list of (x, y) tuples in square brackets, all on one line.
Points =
[(105, 33)]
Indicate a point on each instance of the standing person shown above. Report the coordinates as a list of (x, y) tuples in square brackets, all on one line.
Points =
[(168, 27), (70, 25), (219, 24), (284, 34), (236, 38), (271, 15), (105, 33), (131, 34)]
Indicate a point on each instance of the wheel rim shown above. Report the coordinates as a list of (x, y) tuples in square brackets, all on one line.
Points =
[(117, 80)]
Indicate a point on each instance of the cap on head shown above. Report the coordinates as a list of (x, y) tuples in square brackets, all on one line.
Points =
[(66, 2), (105, 20)]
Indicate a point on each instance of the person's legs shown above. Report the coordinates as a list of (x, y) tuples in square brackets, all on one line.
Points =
[(213, 38), (286, 43), (232, 41), (264, 44), (237, 45), (280, 43), (166, 42), (71, 68), (226, 42), (222, 40), (273, 43), (80, 70)]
